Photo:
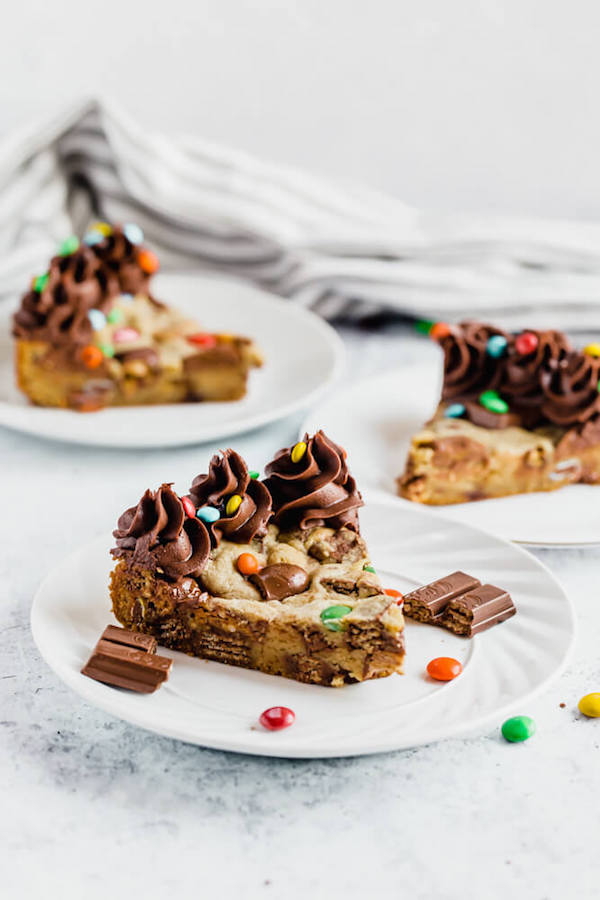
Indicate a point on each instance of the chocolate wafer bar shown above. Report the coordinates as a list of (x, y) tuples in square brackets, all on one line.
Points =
[(428, 603), (470, 613), (127, 659)]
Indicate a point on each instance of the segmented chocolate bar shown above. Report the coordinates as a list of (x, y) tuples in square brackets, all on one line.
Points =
[(428, 603), (127, 659), (477, 610)]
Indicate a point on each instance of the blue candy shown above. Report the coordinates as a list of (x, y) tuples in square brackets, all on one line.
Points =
[(92, 238), (126, 298), (454, 411), (208, 514), (97, 318), (133, 233), (496, 346)]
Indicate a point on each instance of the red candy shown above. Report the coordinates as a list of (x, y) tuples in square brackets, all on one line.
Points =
[(189, 506), (277, 717), (202, 340), (526, 343), (391, 592), (444, 668)]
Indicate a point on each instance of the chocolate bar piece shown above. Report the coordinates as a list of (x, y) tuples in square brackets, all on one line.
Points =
[(127, 659), (477, 610), (428, 603)]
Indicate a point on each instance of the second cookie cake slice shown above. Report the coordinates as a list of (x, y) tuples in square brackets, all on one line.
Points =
[(270, 575)]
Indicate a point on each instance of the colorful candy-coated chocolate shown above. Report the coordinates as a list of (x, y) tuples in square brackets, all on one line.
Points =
[(444, 668), (496, 346), (369, 568), (298, 451), (590, 705), (592, 350), (519, 728), (107, 349), (233, 504), (40, 282), (454, 411), (148, 261), (439, 330), (277, 717), (526, 343), (208, 514), (330, 617), (68, 246), (126, 298), (91, 238), (115, 316), (133, 233), (202, 340), (253, 475), (91, 356), (396, 595), (97, 318), (189, 507), (492, 401), (424, 326), (103, 227), (247, 564), (125, 335)]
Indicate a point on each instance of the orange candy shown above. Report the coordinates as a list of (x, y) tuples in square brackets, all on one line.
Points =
[(91, 356), (444, 668), (148, 261), (439, 330), (391, 592), (247, 564)]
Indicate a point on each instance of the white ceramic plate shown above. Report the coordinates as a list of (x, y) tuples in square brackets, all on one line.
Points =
[(218, 706), (303, 356), (375, 420)]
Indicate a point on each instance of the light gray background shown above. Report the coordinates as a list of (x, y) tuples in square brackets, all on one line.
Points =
[(470, 104)]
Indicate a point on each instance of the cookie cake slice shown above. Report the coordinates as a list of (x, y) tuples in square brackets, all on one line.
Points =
[(90, 334), (518, 413), (266, 574)]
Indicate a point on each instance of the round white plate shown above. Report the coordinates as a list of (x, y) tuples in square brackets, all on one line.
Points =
[(218, 706), (303, 356), (375, 420)]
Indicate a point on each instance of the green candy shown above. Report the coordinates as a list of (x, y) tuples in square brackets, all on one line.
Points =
[(330, 616), (369, 569), (517, 729), (107, 349), (492, 401), (40, 282), (114, 316), (68, 246), (253, 475), (424, 326)]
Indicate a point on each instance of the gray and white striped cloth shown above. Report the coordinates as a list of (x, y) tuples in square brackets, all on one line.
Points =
[(343, 250)]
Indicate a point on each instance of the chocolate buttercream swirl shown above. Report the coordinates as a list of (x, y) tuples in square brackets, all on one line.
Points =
[(316, 490), (58, 313), (157, 534), (120, 256), (468, 368), (228, 476), (521, 381), (570, 387)]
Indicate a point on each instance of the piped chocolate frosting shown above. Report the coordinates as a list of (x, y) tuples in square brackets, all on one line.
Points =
[(468, 368), (158, 535), (315, 490), (228, 477), (122, 257)]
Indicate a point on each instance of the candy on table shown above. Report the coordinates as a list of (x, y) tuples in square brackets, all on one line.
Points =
[(233, 504), (207, 341), (208, 514), (526, 343), (97, 318), (444, 668), (493, 402), (455, 411), (496, 346), (298, 451), (590, 706), (277, 717), (247, 564), (68, 246), (517, 729), (91, 356), (133, 233), (148, 261), (125, 335), (188, 506), (330, 617)]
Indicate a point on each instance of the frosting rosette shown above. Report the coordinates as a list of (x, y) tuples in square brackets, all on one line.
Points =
[(121, 256), (243, 503), (58, 312), (468, 368), (521, 381), (310, 485), (157, 534), (570, 387)]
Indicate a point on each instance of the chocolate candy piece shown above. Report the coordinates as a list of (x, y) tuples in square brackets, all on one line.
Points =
[(127, 659), (477, 610), (479, 415), (280, 581), (427, 604)]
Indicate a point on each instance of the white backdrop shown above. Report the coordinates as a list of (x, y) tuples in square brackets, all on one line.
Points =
[(470, 104)]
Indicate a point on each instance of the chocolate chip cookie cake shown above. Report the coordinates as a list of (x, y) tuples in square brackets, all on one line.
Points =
[(269, 574), (90, 334), (518, 413)]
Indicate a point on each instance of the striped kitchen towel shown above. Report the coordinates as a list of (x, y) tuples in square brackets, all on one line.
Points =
[(345, 251)]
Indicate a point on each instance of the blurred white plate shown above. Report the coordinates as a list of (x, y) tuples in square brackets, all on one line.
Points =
[(375, 420), (303, 356), (218, 706)]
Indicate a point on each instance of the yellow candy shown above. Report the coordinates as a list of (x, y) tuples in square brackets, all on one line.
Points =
[(298, 451), (590, 706), (103, 227), (592, 350), (233, 504)]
